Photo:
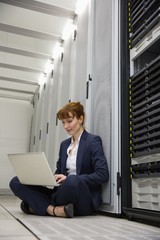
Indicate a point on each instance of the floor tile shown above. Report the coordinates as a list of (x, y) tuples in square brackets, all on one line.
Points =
[(79, 228), (4, 214), (10, 228)]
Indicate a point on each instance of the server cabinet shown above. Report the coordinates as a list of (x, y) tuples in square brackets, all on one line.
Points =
[(105, 95), (144, 110)]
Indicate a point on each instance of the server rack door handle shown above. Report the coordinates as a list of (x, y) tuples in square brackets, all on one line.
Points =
[(40, 132), (118, 183), (34, 140), (87, 89), (47, 128), (87, 86)]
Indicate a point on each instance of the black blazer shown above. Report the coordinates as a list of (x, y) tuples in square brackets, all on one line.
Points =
[(91, 164)]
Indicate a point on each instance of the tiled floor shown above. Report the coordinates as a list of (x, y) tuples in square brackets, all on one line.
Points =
[(15, 225)]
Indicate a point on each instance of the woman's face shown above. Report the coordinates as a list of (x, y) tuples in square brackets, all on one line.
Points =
[(73, 125)]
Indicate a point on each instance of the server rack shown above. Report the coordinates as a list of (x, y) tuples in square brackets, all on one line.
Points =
[(141, 65)]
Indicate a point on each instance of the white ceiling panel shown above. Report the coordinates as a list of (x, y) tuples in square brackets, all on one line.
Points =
[(13, 85), (68, 4), (31, 20), (21, 95), (27, 43), (29, 31), (19, 74), (22, 60)]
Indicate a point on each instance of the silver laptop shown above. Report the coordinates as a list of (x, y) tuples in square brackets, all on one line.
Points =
[(32, 168)]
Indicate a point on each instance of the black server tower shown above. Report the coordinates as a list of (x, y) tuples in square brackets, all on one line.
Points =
[(140, 91)]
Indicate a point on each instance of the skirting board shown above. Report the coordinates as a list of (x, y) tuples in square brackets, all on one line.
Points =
[(5, 191)]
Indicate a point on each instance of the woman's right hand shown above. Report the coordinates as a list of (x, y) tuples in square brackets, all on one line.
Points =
[(60, 178)]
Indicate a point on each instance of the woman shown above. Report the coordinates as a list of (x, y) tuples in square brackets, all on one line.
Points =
[(81, 170)]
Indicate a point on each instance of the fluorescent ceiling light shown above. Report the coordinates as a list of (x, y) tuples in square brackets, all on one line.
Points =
[(48, 67), (42, 79), (81, 4), (57, 51), (68, 30)]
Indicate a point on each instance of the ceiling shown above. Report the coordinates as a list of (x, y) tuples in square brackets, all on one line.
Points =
[(29, 32)]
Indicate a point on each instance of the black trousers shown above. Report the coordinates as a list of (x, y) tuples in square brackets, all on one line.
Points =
[(73, 190)]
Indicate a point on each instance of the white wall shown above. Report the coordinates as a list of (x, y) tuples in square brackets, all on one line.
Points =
[(15, 126)]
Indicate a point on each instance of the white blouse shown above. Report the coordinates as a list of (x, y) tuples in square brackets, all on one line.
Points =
[(72, 156)]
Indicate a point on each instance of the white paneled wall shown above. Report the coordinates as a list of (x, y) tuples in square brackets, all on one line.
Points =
[(67, 83)]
